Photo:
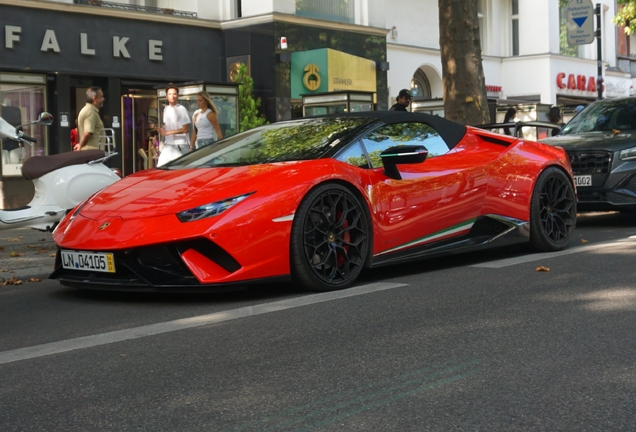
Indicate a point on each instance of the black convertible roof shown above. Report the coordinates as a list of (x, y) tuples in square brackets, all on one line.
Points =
[(451, 132)]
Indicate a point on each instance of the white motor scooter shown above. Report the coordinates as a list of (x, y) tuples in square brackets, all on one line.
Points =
[(61, 181)]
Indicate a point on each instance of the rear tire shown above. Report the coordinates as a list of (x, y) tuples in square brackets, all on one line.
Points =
[(552, 211), (330, 239)]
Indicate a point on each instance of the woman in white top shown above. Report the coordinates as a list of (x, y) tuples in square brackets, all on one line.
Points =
[(206, 123)]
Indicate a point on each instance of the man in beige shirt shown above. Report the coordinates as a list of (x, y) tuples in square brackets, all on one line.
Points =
[(89, 124)]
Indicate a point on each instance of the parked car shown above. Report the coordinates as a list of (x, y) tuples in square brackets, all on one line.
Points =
[(317, 200), (601, 144)]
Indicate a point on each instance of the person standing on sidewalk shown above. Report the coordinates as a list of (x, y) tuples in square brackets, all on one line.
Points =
[(403, 101), (176, 122), (89, 125), (206, 122)]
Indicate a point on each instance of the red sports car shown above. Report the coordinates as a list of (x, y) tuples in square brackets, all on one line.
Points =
[(316, 200)]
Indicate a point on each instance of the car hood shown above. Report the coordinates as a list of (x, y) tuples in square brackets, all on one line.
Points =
[(159, 192), (593, 141)]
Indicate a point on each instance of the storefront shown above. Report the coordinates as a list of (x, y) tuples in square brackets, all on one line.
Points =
[(345, 57), (52, 53)]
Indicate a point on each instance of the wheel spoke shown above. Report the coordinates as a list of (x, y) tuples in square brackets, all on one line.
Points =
[(556, 207), (334, 237)]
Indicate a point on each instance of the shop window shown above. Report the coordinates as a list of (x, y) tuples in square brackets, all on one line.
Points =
[(420, 86), (330, 10), (22, 103)]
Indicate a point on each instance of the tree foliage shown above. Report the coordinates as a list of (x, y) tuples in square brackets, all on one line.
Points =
[(249, 112), (626, 15), (462, 70)]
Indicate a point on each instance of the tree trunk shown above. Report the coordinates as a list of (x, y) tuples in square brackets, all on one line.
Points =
[(462, 71)]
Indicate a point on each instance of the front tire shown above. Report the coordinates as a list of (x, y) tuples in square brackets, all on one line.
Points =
[(552, 211), (330, 239)]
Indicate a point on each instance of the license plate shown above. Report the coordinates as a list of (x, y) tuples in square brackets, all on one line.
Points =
[(88, 261), (583, 181)]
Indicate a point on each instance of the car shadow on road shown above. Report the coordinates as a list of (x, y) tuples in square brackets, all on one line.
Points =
[(259, 293)]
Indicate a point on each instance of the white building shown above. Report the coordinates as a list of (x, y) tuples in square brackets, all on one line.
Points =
[(523, 58)]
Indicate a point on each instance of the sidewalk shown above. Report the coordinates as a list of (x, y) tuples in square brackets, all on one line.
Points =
[(26, 254)]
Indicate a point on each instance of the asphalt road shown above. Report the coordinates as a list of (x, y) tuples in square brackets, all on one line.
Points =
[(477, 342)]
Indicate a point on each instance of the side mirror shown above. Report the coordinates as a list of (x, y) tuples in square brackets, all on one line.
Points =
[(407, 154), (45, 119)]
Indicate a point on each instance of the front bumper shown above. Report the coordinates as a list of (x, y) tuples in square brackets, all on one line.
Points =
[(613, 182), (160, 268)]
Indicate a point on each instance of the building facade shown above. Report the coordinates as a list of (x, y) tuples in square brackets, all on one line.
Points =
[(299, 53), (526, 58)]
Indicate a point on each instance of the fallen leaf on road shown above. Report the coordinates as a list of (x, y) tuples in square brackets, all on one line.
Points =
[(15, 254), (12, 281), (42, 240), (32, 246), (584, 241), (16, 239), (33, 280), (542, 269), (1, 247), (5, 270), (52, 255), (43, 250)]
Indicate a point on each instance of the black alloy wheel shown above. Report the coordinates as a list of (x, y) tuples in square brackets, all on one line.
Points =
[(552, 211), (330, 239)]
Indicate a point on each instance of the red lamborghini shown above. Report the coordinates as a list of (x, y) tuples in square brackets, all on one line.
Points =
[(316, 200)]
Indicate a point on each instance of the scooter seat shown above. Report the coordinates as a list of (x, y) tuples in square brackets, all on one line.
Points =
[(37, 166)]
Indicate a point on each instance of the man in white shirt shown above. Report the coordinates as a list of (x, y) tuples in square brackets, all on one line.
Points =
[(176, 122)]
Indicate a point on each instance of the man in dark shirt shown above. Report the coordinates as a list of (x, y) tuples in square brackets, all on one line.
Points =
[(403, 101)]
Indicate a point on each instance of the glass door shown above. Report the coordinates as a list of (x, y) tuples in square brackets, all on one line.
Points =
[(22, 102), (140, 122)]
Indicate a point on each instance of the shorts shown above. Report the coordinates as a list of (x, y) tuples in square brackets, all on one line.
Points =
[(203, 142)]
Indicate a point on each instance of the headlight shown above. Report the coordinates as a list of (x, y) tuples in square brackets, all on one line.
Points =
[(209, 210), (628, 154)]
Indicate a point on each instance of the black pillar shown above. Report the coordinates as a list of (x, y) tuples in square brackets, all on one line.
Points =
[(63, 99), (112, 111)]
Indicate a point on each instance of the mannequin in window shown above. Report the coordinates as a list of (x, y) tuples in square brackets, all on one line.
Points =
[(11, 149)]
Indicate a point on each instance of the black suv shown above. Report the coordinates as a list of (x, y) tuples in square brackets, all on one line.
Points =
[(601, 144)]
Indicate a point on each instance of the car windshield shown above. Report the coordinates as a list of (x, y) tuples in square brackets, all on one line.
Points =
[(604, 117), (302, 139)]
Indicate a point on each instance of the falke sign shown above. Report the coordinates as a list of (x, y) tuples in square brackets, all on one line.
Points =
[(77, 43), (12, 35), (578, 82)]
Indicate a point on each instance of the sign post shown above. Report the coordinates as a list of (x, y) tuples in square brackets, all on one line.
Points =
[(599, 53), (580, 31)]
